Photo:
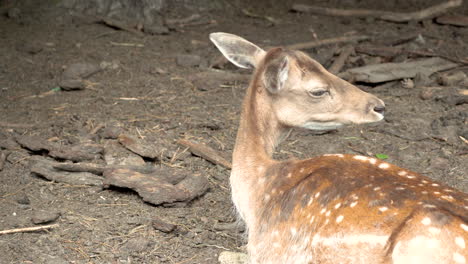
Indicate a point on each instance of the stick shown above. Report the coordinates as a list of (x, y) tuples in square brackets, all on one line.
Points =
[(27, 229), (2, 160), (394, 51), (317, 43), (382, 15), (340, 61), (205, 152), (6, 124), (384, 72)]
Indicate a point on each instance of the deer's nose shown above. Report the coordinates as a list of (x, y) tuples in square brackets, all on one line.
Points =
[(379, 109)]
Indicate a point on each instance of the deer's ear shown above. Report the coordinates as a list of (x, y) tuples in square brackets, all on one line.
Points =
[(237, 50), (276, 74)]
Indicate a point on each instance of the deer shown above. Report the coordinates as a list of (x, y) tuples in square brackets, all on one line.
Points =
[(334, 208)]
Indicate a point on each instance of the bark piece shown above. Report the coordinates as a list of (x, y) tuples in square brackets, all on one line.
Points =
[(138, 146), (382, 15), (162, 226), (98, 168), (394, 71), (205, 152), (455, 20), (33, 143), (340, 61), (46, 169), (152, 189), (116, 154), (44, 217)]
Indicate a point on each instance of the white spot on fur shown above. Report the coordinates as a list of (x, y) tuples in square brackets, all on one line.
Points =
[(435, 184), (339, 218), (267, 197), (311, 200), (353, 204), (377, 188), (289, 175), (384, 165), (317, 195), (402, 173), (429, 206), (293, 231), (328, 213), (458, 258), (410, 176), (464, 227), (383, 209), (301, 170), (424, 181), (312, 219), (372, 161), (334, 155), (399, 188), (460, 242), (337, 205), (447, 197), (434, 230), (359, 157), (426, 221), (323, 210), (424, 192), (437, 193)]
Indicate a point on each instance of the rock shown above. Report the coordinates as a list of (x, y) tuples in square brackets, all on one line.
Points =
[(228, 257), (162, 226), (155, 29), (186, 60), (72, 84), (135, 245), (80, 71), (23, 199), (44, 217), (9, 144), (111, 132), (14, 13)]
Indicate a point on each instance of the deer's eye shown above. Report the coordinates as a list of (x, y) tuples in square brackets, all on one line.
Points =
[(318, 93)]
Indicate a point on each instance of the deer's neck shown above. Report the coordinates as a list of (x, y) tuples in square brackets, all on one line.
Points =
[(258, 134)]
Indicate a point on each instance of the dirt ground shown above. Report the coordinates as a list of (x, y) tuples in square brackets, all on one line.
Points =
[(148, 92)]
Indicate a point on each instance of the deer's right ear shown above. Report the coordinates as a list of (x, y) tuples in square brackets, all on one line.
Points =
[(237, 50)]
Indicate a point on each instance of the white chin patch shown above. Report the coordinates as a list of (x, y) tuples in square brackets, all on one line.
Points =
[(322, 126)]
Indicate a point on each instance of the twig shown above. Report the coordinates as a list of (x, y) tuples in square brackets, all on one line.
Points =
[(205, 152), (6, 124), (138, 45), (117, 24), (340, 61), (382, 15), (317, 43), (2, 159), (185, 20), (27, 229), (394, 51)]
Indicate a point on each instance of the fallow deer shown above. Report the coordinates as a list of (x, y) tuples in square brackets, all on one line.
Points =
[(335, 208)]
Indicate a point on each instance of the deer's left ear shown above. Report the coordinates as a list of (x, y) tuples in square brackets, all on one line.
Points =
[(276, 74), (237, 50)]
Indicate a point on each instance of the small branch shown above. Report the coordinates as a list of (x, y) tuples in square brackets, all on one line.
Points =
[(340, 61), (382, 15), (394, 51), (317, 43), (3, 156), (205, 152), (27, 229), (12, 125)]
